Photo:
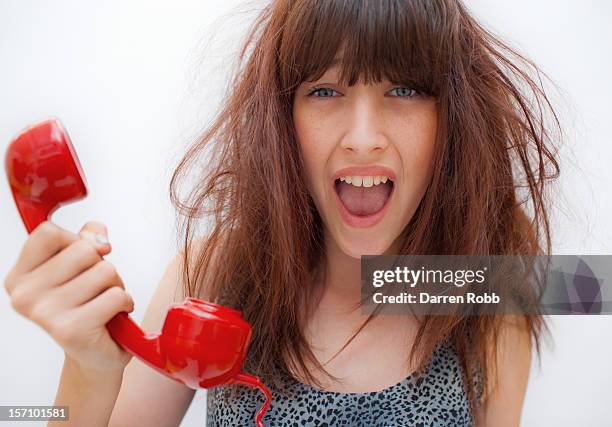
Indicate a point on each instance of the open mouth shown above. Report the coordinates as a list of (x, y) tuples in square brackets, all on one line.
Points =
[(363, 200)]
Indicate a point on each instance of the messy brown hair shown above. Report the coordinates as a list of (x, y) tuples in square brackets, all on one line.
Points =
[(494, 155)]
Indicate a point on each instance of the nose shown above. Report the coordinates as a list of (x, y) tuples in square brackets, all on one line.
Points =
[(365, 134)]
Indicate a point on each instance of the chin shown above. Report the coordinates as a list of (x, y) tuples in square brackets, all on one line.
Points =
[(361, 244)]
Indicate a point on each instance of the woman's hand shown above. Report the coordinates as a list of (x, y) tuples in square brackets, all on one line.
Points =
[(61, 282)]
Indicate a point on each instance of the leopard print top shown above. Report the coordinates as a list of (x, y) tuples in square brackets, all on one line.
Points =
[(436, 398)]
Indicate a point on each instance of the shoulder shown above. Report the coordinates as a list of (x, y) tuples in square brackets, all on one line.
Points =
[(195, 265), (508, 378), (174, 285)]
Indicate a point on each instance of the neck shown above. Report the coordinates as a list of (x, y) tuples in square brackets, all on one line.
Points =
[(342, 275), (341, 280)]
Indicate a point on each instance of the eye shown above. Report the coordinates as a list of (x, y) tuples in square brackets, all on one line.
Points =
[(404, 92), (322, 92)]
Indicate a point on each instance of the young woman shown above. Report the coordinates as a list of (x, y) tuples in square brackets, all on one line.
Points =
[(350, 128)]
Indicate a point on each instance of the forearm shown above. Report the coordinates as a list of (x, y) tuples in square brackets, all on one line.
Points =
[(90, 396)]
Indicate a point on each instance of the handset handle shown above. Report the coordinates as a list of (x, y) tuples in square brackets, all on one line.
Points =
[(131, 337), (33, 213)]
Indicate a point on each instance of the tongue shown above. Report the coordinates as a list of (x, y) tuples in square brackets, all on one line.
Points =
[(363, 200)]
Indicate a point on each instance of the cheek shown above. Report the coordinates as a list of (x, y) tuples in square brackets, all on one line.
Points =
[(417, 149), (422, 154), (416, 134), (313, 142)]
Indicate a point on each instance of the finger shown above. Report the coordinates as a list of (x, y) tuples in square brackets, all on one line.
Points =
[(86, 286), (45, 241), (104, 307), (64, 266), (97, 233), (95, 227)]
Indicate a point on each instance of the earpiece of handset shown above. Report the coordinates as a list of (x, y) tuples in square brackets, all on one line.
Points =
[(43, 171)]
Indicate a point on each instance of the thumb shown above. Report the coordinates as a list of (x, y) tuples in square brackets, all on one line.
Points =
[(97, 233)]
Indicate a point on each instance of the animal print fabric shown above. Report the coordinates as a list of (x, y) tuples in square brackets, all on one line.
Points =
[(436, 398)]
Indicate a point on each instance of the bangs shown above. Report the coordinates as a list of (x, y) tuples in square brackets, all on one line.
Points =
[(368, 40)]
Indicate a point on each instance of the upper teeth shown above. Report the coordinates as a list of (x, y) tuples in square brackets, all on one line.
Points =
[(367, 181)]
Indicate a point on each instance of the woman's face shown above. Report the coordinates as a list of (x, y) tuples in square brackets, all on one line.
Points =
[(353, 139)]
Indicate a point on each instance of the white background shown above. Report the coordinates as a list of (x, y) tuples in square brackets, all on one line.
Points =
[(134, 82)]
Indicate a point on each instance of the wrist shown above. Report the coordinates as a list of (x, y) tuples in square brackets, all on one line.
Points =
[(94, 375)]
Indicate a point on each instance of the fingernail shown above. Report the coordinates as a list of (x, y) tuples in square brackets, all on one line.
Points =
[(101, 239)]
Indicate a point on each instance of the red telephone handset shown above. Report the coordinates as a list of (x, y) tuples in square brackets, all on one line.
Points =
[(201, 344)]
